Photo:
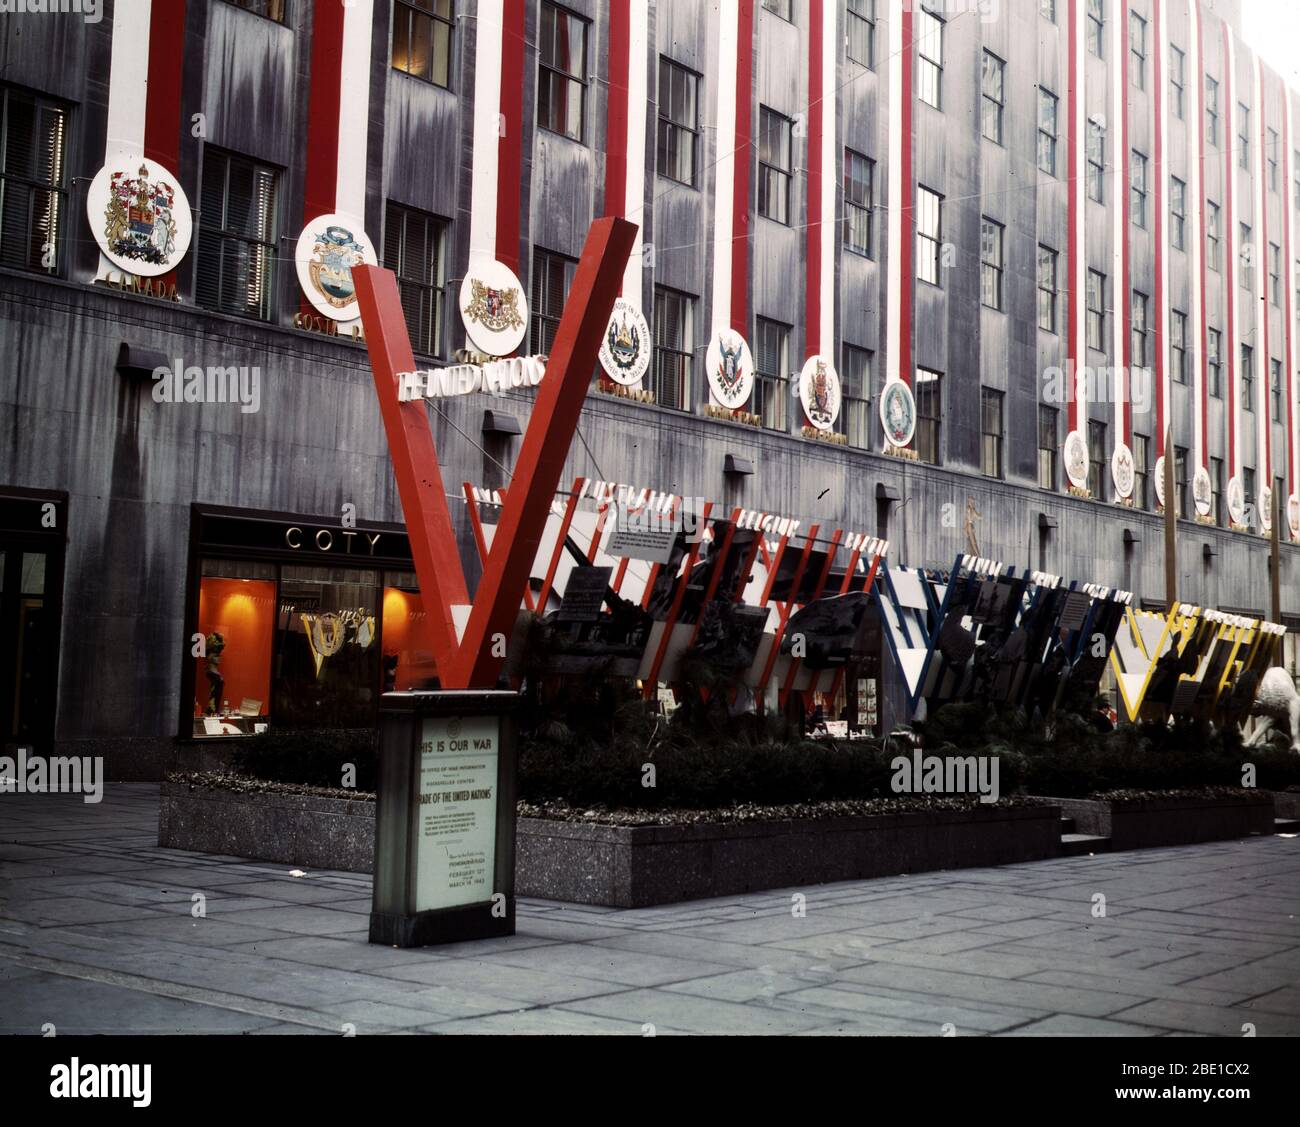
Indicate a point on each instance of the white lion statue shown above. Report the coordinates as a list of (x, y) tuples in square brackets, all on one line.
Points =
[(1276, 703)]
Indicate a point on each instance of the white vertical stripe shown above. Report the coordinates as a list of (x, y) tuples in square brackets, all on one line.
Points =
[(1195, 237), (1118, 159), (724, 173), (637, 105), (128, 90), (899, 194), (487, 113), (1232, 270), (1192, 347), (354, 109), (830, 151), (1292, 279), (1263, 303), (1079, 264)]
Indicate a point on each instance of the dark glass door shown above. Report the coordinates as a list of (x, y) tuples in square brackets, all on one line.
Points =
[(29, 644)]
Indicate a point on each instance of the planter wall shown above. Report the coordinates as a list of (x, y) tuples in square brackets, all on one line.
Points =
[(1286, 803), (620, 866), (302, 830), (1171, 821)]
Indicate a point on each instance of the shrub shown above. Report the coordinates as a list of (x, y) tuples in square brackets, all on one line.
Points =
[(314, 757)]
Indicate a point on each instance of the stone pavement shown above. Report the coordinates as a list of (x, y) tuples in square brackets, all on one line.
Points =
[(98, 935)]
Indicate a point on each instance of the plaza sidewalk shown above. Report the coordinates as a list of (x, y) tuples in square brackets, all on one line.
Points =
[(98, 934)]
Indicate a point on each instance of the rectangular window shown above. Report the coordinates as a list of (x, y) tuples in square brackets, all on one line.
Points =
[(552, 277), (855, 375), (1248, 488), (1275, 390), (1096, 310), (1214, 362), (780, 8), (1048, 106), (237, 235), (422, 31), (1211, 111), (562, 71), (1247, 378), (774, 165), (1178, 346), (771, 373), (929, 234), (679, 122), (1142, 471), (992, 96), (1138, 329), (1047, 261), (859, 201), (1096, 25), (1177, 213), (1047, 447), (861, 31), (1275, 274), (1047, 9), (929, 410), (927, 31), (33, 180), (1096, 456), (1177, 81), (991, 432), (1271, 157), (1243, 135), (1216, 490), (674, 346), (1138, 184), (415, 250), (1212, 235), (270, 9), (1137, 49), (1245, 264), (991, 263), (1180, 481), (1096, 161)]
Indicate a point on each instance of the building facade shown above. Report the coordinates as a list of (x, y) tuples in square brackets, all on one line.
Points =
[(1067, 227)]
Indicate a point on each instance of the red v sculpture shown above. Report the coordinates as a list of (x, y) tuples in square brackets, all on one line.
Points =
[(474, 661)]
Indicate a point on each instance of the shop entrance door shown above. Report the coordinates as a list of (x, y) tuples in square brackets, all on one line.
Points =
[(29, 645)]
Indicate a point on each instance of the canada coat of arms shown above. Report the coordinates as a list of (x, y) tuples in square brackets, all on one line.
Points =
[(138, 220), (334, 254)]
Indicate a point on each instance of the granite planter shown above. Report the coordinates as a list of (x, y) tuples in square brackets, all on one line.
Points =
[(625, 866), (1286, 803), (637, 866), (302, 830), (1173, 820)]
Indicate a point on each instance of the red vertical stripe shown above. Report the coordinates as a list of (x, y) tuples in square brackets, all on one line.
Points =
[(325, 94), (510, 146), (1125, 202), (908, 240), (162, 114), (1162, 188), (1230, 279), (1072, 237), (1199, 126), (742, 162), (620, 31), (813, 313)]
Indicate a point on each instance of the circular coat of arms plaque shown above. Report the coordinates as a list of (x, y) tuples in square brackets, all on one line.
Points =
[(493, 307), (625, 351), (731, 368), (329, 246), (139, 215), (1201, 491), (1076, 460), (1159, 474), (898, 413), (1236, 501), (1266, 509), (1293, 515), (819, 391), (1121, 469)]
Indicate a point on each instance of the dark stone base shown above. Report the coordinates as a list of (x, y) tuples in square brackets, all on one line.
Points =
[(132, 759), (447, 925), (1286, 803), (1171, 821), (637, 866)]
